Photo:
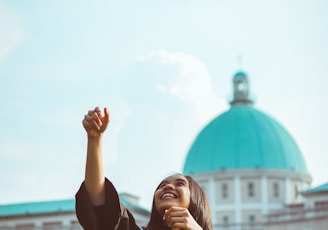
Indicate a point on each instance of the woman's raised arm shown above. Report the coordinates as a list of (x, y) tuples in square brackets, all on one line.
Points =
[(95, 123)]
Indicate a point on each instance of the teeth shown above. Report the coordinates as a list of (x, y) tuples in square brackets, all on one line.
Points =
[(168, 195)]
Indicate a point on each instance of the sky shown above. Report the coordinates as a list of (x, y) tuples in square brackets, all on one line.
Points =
[(164, 69)]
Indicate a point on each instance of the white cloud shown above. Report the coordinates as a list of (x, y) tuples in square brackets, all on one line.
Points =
[(10, 31), (192, 84)]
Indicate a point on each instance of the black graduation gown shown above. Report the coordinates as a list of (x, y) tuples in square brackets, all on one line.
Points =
[(110, 216)]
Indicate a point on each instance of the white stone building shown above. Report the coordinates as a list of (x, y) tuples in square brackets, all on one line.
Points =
[(56, 215)]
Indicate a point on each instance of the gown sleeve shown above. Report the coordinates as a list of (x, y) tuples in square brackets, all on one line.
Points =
[(110, 216)]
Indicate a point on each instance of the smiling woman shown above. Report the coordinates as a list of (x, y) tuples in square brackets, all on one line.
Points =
[(173, 191), (180, 196), (178, 203)]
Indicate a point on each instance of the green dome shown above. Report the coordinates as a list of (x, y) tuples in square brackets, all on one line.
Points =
[(243, 138), (240, 74)]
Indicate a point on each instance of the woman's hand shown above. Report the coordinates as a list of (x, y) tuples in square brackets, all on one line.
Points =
[(180, 218), (95, 123)]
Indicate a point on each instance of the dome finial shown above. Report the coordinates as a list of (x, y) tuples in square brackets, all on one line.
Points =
[(240, 61), (241, 89)]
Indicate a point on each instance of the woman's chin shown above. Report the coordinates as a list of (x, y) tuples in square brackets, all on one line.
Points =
[(165, 207)]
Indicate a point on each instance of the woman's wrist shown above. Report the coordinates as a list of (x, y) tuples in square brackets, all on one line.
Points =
[(94, 137)]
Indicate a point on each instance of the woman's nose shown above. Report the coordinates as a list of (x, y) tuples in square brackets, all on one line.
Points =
[(168, 186)]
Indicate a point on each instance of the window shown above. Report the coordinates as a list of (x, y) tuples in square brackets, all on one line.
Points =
[(57, 225), (251, 218), (225, 220), (224, 190), (75, 225), (241, 86), (276, 190), (250, 189), (25, 227), (321, 204), (296, 191)]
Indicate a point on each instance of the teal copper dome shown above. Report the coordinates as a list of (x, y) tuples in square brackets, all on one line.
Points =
[(240, 74), (243, 138)]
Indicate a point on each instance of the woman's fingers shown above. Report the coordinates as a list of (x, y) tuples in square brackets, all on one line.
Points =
[(180, 218), (106, 115), (104, 120), (176, 217), (93, 119), (97, 110)]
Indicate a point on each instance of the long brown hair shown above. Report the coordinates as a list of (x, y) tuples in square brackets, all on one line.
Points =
[(199, 208)]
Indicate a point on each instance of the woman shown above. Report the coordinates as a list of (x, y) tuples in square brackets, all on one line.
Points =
[(178, 203)]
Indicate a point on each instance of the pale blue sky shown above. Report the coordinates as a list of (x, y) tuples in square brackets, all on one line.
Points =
[(164, 69)]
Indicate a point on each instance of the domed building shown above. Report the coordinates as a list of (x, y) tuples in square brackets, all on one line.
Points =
[(247, 163)]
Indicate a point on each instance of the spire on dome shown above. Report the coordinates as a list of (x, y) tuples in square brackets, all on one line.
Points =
[(241, 89)]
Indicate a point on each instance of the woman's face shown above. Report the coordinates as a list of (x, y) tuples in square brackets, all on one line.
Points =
[(172, 191)]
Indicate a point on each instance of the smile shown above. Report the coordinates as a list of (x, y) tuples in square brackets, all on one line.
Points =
[(168, 195)]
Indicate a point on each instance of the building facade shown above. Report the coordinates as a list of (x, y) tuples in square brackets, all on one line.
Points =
[(249, 166), (56, 215)]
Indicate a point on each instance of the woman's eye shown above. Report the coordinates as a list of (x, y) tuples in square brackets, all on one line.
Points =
[(161, 186)]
